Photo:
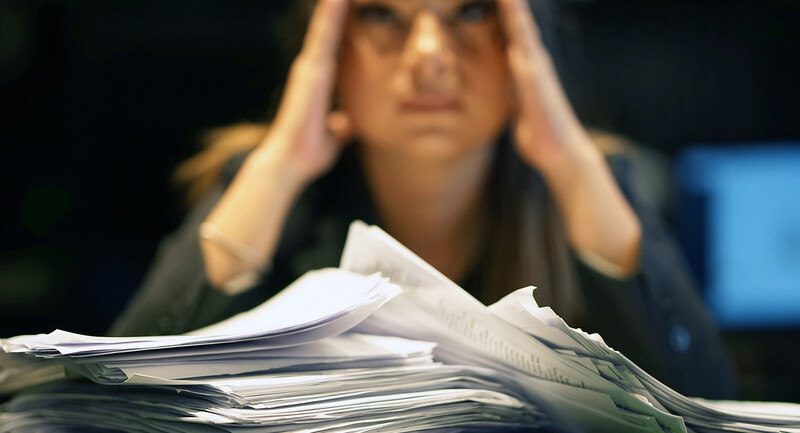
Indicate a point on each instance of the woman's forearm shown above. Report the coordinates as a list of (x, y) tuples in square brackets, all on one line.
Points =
[(251, 213), (600, 223)]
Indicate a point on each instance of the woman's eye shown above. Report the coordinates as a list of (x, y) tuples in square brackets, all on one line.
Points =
[(476, 11), (376, 14)]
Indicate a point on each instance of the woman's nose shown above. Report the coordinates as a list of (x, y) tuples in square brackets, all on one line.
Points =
[(428, 53)]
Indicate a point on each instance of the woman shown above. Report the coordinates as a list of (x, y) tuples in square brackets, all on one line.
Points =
[(444, 122)]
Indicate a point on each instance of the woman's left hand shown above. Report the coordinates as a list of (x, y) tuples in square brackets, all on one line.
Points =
[(599, 221), (546, 130)]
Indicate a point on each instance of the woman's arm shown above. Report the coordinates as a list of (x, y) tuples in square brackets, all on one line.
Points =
[(188, 286), (600, 223), (304, 141), (656, 317)]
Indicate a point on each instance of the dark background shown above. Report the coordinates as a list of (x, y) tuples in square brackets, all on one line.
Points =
[(99, 101)]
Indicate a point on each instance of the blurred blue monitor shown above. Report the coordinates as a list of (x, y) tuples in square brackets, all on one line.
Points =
[(737, 214)]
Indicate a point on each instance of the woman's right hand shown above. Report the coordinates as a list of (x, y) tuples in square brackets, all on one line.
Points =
[(306, 132), (303, 142)]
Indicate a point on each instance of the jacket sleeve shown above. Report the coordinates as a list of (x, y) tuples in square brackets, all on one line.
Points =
[(176, 296), (657, 317)]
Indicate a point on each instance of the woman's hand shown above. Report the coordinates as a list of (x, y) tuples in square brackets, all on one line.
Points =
[(546, 130), (599, 221), (305, 130), (243, 229)]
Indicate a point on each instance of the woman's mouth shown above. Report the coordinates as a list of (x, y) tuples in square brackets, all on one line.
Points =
[(431, 103)]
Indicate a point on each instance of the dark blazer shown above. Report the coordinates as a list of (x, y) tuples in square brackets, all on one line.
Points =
[(656, 318)]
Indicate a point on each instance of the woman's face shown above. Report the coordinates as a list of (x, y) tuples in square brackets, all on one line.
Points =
[(425, 78)]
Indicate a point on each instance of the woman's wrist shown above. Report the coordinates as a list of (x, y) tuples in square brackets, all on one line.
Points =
[(575, 163), (247, 221), (273, 157), (599, 220)]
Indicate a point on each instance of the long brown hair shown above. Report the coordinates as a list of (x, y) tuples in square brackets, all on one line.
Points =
[(219, 145)]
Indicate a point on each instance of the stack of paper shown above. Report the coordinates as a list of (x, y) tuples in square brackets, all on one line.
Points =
[(574, 375), (84, 406), (366, 355), (699, 415), (287, 365), (276, 335)]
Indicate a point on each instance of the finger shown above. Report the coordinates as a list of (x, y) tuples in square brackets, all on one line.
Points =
[(325, 30), (521, 31), (310, 83), (340, 126), (535, 78)]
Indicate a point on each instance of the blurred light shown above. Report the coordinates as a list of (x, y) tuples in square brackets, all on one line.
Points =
[(747, 206)]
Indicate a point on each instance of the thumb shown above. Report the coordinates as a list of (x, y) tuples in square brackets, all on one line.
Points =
[(340, 126)]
